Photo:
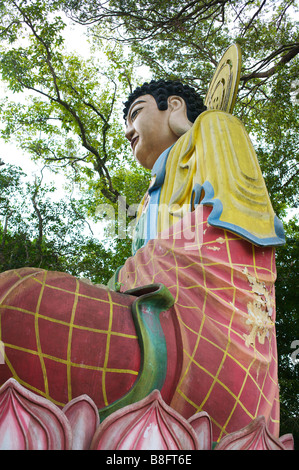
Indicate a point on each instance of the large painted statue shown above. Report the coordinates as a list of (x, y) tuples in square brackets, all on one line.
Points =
[(192, 312)]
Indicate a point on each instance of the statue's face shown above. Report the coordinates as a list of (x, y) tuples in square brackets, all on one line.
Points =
[(148, 130)]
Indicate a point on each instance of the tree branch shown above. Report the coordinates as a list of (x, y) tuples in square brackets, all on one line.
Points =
[(40, 222), (290, 179), (254, 16)]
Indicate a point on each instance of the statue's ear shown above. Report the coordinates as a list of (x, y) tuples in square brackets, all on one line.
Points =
[(178, 120)]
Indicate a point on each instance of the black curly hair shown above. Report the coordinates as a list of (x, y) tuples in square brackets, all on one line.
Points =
[(161, 90)]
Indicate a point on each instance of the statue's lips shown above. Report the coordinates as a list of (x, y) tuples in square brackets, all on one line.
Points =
[(133, 142)]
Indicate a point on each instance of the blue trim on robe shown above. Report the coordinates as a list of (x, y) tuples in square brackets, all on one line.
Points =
[(150, 216), (159, 171), (214, 217)]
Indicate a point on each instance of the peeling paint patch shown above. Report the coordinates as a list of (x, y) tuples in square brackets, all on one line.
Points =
[(220, 240), (213, 248), (259, 310)]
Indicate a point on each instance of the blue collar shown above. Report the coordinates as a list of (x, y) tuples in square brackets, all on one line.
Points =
[(159, 170)]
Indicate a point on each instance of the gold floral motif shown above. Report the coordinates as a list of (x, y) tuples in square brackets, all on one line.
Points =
[(259, 311)]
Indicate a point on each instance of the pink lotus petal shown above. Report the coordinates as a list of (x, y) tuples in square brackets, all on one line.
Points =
[(255, 436), (201, 424), (84, 419), (149, 424), (288, 441), (28, 421)]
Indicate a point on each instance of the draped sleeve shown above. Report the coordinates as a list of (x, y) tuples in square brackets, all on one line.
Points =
[(215, 164)]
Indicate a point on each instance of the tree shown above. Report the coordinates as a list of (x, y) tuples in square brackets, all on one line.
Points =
[(287, 300), (201, 29), (38, 230), (70, 119)]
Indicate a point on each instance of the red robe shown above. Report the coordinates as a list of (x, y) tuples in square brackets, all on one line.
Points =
[(223, 288)]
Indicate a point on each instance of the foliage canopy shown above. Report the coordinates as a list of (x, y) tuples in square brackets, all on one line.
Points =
[(65, 111)]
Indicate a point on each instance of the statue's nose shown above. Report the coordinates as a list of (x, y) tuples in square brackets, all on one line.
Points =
[(129, 132)]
